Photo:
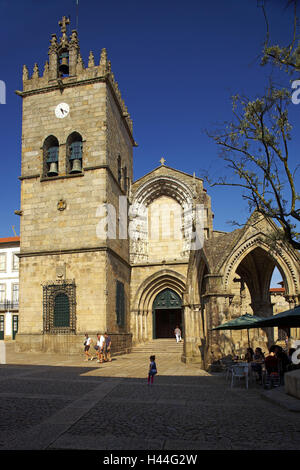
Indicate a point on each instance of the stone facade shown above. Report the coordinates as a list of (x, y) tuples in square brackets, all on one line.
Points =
[(100, 252), (161, 239), (63, 214)]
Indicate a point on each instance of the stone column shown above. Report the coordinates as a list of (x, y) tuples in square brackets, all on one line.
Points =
[(264, 309), (192, 342)]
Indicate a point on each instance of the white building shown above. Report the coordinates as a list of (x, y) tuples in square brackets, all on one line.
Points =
[(9, 287)]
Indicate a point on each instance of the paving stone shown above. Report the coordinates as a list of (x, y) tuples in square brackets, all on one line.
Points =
[(46, 406)]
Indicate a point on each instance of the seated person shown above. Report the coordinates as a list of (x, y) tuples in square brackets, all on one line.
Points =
[(283, 362), (271, 361), (249, 355), (258, 360)]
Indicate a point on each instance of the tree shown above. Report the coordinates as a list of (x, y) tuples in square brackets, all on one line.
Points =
[(255, 147), (283, 56)]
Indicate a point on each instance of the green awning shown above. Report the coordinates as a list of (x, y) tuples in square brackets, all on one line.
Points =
[(244, 322), (289, 318)]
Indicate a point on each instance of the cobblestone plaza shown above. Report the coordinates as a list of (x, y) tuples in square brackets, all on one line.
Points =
[(58, 402)]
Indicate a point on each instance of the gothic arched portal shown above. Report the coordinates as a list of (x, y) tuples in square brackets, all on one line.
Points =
[(167, 314)]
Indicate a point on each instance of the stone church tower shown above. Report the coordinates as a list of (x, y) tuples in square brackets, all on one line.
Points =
[(77, 146)]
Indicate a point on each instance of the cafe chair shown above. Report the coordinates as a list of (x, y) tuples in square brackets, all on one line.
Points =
[(239, 371), (272, 380)]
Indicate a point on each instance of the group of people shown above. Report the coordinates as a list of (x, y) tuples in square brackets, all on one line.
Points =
[(276, 363), (102, 348)]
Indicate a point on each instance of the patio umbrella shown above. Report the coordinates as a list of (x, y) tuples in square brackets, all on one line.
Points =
[(240, 323), (244, 322), (289, 318)]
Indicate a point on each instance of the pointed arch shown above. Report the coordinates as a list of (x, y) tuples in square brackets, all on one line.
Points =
[(281, 258)]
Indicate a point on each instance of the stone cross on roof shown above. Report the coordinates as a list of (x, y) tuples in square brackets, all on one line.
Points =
[(63, 24), (162, 161)]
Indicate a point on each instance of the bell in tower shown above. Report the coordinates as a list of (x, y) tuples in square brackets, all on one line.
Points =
[(63, 68), (76, 157), (63, 54), (63, 63), (52, 161)]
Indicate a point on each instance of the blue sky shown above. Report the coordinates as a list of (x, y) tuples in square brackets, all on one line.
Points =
[(177, 64)]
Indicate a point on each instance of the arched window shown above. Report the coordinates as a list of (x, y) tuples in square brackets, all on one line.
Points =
[(61, 311), (74, 153)]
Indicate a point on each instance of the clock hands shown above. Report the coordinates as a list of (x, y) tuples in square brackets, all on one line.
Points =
[(62, 110)]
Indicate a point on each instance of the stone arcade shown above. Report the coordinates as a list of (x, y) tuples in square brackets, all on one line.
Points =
[(77, 159)]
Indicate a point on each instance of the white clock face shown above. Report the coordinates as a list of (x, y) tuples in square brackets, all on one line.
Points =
[(62, 110)]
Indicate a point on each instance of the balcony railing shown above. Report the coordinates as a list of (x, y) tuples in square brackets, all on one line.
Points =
[(8, 305)]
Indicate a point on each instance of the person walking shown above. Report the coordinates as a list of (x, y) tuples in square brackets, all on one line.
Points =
[(177, 333), (87, 344), (152, 370), (107, 348), (100, 347)]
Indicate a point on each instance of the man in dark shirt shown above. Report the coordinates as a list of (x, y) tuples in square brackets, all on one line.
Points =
[(107, 347), (271, 361)]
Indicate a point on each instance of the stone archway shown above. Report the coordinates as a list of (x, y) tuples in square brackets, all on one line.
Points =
[(231, 276), (167, 314), (145, 295), (244, 287), (251, 270)]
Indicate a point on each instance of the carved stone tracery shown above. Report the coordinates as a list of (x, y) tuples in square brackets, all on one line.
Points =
[(145, 195)]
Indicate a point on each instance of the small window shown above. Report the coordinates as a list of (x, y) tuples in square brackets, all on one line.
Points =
[(2, 262), (2, 293), (120, 303), (15, 293), (15, 262)]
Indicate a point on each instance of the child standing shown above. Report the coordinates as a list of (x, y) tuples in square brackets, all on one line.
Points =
[(152, 370)]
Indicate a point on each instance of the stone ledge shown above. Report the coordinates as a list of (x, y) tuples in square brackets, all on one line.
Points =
[(279, 397), (292, 383)]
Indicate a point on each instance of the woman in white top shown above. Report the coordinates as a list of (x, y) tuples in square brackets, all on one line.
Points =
[(87, 344), (100, 347)]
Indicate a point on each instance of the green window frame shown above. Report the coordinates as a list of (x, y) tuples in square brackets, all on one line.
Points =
[(61, 315), (120, 304), (59, 307)]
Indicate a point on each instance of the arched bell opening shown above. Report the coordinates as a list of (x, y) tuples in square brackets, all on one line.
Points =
[(63, 67), (74, 153), (167, 314), (50, 156)]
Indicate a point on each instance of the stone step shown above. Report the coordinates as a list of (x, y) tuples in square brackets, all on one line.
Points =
[(159, 346)]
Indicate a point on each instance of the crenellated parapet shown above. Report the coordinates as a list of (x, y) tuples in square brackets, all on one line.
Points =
[(65, 67)]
